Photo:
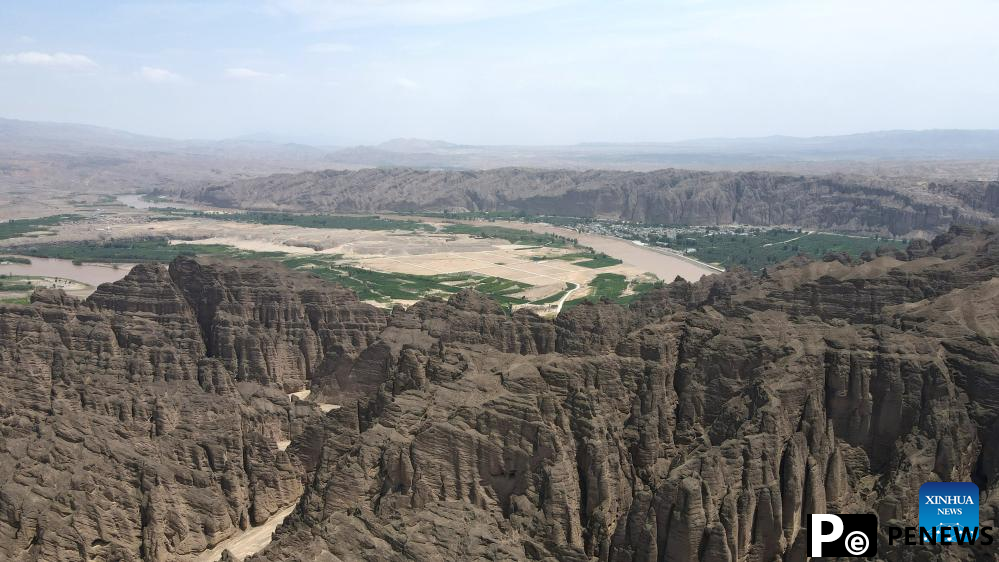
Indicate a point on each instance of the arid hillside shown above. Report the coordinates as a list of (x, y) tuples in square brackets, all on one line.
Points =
[(895, 207)]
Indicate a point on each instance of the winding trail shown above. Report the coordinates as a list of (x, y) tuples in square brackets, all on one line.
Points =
[(565, 297), (250, 541), (254, 539)]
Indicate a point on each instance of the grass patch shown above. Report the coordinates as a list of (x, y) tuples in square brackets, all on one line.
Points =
[(20, 227), (385, 287), (755, 249), (638, 288), (16, 284), (557, 296), (608, 285), (15, 259), (512, 235), (495, 285), (304, 262), (584, 259), (521, 216), (102, 201), (602, 260), (612, 286), (348, 222), (15, 300)]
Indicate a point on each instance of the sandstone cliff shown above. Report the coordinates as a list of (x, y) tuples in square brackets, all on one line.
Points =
[(142, 423), (704, 422)]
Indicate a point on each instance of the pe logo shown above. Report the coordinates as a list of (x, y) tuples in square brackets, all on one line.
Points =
[(948, 509), (843, 535)]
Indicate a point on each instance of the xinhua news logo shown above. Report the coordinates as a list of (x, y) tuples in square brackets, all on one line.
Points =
[(948, 515), (948, 509), (843, 535)]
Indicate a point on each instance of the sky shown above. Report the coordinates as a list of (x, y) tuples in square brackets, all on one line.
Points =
[(343, 72)]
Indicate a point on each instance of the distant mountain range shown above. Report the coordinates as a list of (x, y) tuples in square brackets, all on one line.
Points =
[(776, 152), (928, 144), (963, 154), (24, 137), (937, 143)]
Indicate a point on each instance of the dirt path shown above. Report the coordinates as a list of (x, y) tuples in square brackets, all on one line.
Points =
[(565, 297), (790, 240), (250, 541)]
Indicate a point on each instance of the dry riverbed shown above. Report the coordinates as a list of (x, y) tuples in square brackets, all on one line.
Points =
[(388, 251)]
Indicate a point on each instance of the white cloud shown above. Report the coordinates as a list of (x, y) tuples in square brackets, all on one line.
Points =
[(331, 48), (361, 13), (245, 74), (36, 58), (157, 75)]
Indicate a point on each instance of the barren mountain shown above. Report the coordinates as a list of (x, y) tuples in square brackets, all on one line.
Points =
[(142, 423), (704, 422), (39, 158), (55, 158), (846, 203)]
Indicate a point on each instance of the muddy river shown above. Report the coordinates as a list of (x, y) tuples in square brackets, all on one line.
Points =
[(92, 274), (136, 201)]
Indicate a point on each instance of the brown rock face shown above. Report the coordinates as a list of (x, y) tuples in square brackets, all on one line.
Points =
[(271, 328), (141, 424), (704, 422), (840, 202)]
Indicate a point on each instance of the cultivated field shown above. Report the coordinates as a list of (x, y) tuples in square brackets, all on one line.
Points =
[(407, 259)]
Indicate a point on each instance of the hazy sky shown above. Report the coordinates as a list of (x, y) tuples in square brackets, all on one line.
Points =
[(503, 71)]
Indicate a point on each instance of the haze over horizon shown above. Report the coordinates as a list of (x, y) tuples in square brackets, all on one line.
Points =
[(479, 72), (415, 144)]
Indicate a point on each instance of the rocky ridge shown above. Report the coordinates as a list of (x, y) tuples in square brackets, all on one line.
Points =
[(141, 423), (896, 207), (703, 422)]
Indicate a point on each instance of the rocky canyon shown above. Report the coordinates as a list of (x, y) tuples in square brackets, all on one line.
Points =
[(164, 414)]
